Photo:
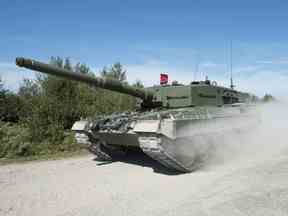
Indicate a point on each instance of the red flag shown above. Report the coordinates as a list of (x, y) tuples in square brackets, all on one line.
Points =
[(163, 79)]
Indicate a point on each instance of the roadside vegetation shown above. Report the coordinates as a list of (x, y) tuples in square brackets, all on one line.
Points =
[(35, 122)]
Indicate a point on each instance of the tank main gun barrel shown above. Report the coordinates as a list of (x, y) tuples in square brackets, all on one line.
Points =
[(105, 83)]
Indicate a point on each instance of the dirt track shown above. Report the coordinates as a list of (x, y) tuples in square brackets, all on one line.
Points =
[(252, 183), (81, 186)]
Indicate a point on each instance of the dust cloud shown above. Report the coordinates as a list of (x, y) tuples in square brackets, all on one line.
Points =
[(265, 139)]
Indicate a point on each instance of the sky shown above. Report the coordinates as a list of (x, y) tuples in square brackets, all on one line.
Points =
[(152, 37)]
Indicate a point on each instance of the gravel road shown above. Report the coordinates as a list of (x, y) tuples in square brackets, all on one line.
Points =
[(81, 186), (254, 182)]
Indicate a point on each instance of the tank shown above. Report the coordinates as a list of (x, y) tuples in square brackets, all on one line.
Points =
[(173, 124)]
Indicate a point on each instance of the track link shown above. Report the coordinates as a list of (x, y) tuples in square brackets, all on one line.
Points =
[(94, 145), (152, 147), (100, 151)]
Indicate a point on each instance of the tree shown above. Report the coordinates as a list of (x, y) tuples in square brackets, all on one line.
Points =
[(268, 98), (61, 101), (116, 101), (57, 61), (138, 84), (67, 64), (82, 68), (10, 105), (1, 85), (2, 99), (29, 88), (62, 95), (116, 71)]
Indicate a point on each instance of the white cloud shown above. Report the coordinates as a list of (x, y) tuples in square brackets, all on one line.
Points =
[(282, 60), (264, 62), (208, 64), (246, 71)]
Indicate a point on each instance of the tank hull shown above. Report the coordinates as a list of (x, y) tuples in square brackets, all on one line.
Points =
[(178, 139)]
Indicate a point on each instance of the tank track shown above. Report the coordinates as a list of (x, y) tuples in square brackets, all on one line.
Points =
[(94, 146), (152, 147), (101, 153)]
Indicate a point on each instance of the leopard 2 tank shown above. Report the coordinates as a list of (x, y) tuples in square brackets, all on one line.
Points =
[(171, 124)]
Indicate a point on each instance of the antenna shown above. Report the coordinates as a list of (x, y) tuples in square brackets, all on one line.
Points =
[(231, 66), (196, 65)]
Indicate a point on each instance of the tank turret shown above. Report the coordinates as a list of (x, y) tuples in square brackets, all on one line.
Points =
[(201, 93)]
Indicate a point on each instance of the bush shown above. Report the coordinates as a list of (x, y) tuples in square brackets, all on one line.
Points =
[(14, 140)]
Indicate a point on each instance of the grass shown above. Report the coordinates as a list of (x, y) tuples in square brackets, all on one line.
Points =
[(57, 156), (17, 146)]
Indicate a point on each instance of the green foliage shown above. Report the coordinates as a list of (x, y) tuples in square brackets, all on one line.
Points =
[(138, 84), (268, 98), (10, 105), (2, 90), (28, 89), (16, 141), (113, 101), (46, 108), (114, 72), (13, 140)]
